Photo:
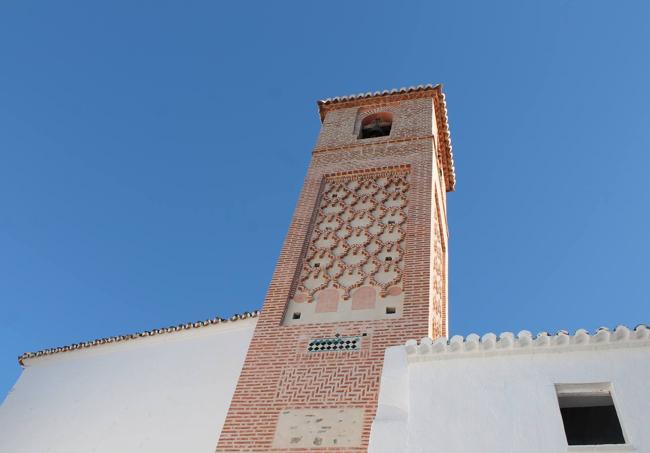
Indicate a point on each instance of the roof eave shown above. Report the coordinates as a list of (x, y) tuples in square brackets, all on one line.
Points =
[(133, 336)]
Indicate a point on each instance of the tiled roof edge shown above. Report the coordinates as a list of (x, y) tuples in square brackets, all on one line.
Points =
[(457, 346), (133, 336), (444, 139), (354, 97)]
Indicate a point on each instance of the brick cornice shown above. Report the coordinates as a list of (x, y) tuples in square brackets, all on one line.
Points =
[(366, 144)]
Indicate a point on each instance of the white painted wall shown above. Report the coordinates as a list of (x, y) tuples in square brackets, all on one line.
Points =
[(170, 393), (504, 402), (163, 394)]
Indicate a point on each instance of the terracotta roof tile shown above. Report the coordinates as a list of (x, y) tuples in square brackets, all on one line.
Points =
[(402, 90), (132, 336)]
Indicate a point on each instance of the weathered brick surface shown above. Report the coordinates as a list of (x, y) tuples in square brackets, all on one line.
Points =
[(278, 373)]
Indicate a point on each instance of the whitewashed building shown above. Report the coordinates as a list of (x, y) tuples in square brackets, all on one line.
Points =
[(169, 390), (163, 391), (510, 394)]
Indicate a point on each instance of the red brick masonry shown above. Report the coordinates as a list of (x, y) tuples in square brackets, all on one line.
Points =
[(278, 372)]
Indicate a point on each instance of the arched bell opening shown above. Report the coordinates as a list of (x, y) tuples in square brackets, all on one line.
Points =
[(376, 125)]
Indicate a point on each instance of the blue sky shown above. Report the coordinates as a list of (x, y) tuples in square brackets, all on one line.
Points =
[(152, 154)]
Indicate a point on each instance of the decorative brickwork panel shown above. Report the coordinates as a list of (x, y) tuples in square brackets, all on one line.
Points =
[(350, 383), (438, 290), (282, 384), (335, 344), (353, 266)]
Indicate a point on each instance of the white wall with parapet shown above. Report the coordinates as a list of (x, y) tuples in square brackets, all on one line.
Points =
[(165, 393), (497, 394)]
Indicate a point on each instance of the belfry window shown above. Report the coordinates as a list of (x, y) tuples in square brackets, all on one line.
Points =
[(589, 415), (376, 125)]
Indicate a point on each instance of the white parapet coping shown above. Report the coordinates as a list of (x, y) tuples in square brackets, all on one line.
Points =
[(525, 342)]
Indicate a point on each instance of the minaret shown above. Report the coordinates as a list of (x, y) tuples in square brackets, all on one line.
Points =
[(363, 267)]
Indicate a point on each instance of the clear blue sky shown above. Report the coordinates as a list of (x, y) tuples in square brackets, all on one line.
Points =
[(152, 154)]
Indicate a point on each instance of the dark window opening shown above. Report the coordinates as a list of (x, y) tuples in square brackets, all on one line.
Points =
[(376, 125), (296, 315), (390, 310), (388, 258), (590, 419)]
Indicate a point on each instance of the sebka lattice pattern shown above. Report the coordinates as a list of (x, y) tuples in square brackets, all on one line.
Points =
[(358, 236)]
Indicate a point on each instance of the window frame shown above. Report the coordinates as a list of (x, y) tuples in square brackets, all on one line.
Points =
[(592, 389)]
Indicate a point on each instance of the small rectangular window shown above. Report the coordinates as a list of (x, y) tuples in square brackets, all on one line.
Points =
[(589, 415)]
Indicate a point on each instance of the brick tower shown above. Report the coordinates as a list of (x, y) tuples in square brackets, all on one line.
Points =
[(363, 267)]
